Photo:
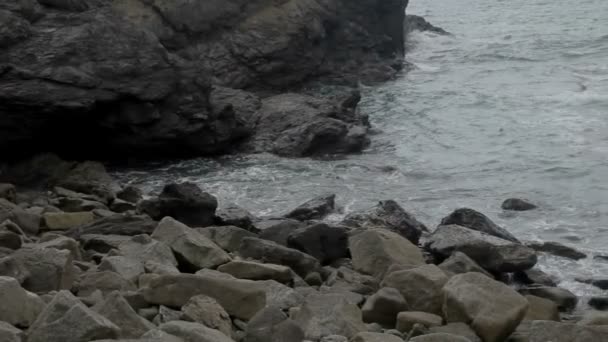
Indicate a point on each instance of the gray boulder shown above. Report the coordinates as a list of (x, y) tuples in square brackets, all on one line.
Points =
[(314, 209), (128, 268), (439, 337), (383, 306), (207, 311), (557, 249), (458, 329), (102, 243), (48, 269), (124, 224), (11, 267), (407, 319), (534, 276), (388, 215), (271, 324), (278, 230), (541, 309), (257, 271), (66, 319), (421, 287), (227, 237), (9, 333), (62, 243), (19, 307), (29, 222), (104, 281), (517, 204), (492, 253), (193, 332), (147, 250), (374, 251), (542, 331), (8, 191), (565, 299), (375, 337), (270, 252), (66, 221), (193, 250), (475, 220), (90, 177), (130, 194), (324, 242), (185, 202), (459, 263), (233, 215), (118, 311), (491, 308)]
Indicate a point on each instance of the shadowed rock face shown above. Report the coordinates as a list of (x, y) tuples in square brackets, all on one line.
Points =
[(136, 77)]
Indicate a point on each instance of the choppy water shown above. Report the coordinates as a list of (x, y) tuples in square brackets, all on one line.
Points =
[(515, 103)]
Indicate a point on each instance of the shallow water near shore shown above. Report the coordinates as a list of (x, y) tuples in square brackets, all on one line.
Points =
[(513, 104)]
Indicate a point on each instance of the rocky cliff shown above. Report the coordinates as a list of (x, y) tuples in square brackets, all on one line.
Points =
[(174, 77)]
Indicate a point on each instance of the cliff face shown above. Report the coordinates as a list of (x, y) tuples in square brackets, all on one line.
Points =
[(139, 76)]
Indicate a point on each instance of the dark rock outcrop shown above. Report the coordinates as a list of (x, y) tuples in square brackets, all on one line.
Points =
[(418, 23), (517, 204), (475, 220), (146, 78)]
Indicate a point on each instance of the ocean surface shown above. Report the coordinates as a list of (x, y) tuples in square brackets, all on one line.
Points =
[(514, 103)]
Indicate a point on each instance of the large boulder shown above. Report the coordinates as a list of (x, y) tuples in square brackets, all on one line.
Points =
[(407, 319), (517, 204), (557, 249), (565, 299), (374, 251), (421, 287), (104, 281), (9, 333), (27, 221), (492, 253), (48, 269), (240, 298), (388, 215), (194, 332), (459, 262), (19, 307), (257, 271), (90, 178), (542, 331), (66, 319), (475, 220), (128, 268), (271, 324), (227, 237), (383, 306), (66, 221), (8, 192), (375, 337), (128, 225), (207, 311), (278, 230), (193, 250), (118, 311), (541, 309), (492, 308), (324, 242), (233, 215), (314, 209), (185, 202), (147, 250), (270, 252)]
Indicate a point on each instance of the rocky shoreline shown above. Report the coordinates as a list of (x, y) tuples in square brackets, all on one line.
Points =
[(85, 259)]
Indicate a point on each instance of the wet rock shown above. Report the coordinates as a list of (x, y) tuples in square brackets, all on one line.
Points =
[(240, 298), (541, 309), (66, 319), (557, 249), (475, 220), (130, 194), (594, 318), (417, 23), (421, 287), (8, 192), (129, 269), (375, 337), (565, 300), (374, 251), (127, 225), (103, 281), (458, 329), (9, 333), (278, 230), (257, 271), (459, 263), (407, 319), (491, 308), (19, 307), (66, 221), (118, 311), (233, 215), (491, 253), (207, 311), (227, 237), (314, 209), (542, 331), (388, 215), (271, 324), (191, 332), (270, 252), (599, 283), (298, 125), (598, 303), (185, 202), (324, 242), (534, 276), (72, 205), (193, 250), (48, 269), (517, 204), (120, 206), (329, 314)]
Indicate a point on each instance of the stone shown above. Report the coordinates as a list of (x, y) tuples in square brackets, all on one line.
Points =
[(127, 268), (421, 287), (102, 243), (105, 281), (120, 206), (271, 324), (565, 300), (8, 192), (270, 252), (594, 318), (122, 224), (257, 271), (10, 240), (329, 314), (417, 23), (517, 204), (185, 202), (118, 311), (66, 319), (348, 279), (598, 303), (240, 298), (19, 307), (148, 251), (458, 329), (477, 221), (387, 215), (166, 315), (407, 319), (9, 333), (459, 263), (599, 283), (49, 269), (130, 194), (491, 253), (557, 249), (313, 279), (192, 249), (277, 230), (439, 337), (233, 215), (314, 209), (534, 276), (334, 338), (207, 311), (29, 222), (227, 237), (374, 251), (193, 332), (77, 204), (324, 242), (61, 243), (541, 309), (491, 308), (543, 331), (11, 267), (281, 296), (375, 337), (90, 177), (157, 335)]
